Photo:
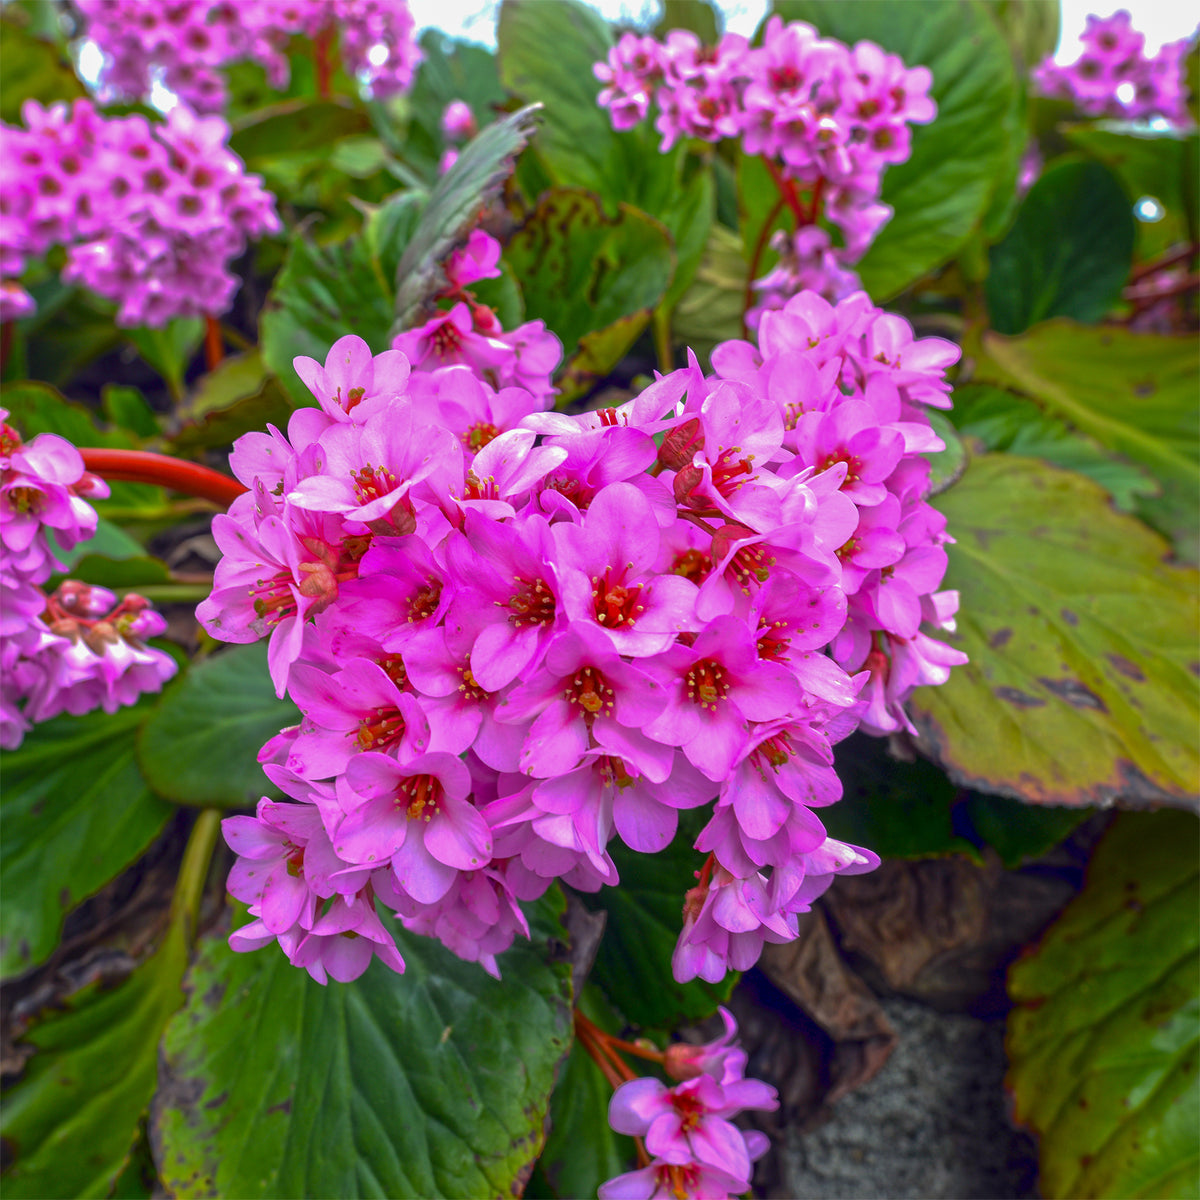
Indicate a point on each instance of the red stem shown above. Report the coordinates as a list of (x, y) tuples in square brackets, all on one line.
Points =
[(214, 350), (324, 71), (1170, 259), (139, 466), (815, 204), (756, 258)]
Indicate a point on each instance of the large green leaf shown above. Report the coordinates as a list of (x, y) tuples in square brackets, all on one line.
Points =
[(294, 127), (584, 274), (1082, 684), (546, 53), (710, 311), (1150, 162), (1135, 393), (200, 744), (326, 292), (453, 211), (1068, 253), (944, 190), (645, 913), (1002, 420), (434, 1083), (76, 812), (73, 1122), (1104, 1043)]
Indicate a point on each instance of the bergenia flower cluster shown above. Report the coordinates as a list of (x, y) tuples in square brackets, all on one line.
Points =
[(828, 118), (80, 648), (514, 634), (152, 215), (698, 1151), (1114, 77), (182, 45)]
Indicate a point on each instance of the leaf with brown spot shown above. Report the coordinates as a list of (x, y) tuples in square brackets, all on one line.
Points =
[(1047, 716), (1105, 1040)]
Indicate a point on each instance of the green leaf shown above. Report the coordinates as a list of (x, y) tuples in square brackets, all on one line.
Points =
[(1068, 253), (582, 273), (633, 964), (76, 812), (1082, 685), (200, 744), (1150, 163), (697, 15), (111, 559), (170, 348), (582, 1150), (326, 292), (434, 1083), (38, 408), (73, 1124), (710, 311), (943, 191), (1135, 393), (240, 396), (453, 211), (72, 1120), (1016, 831), (689, 221), (1104, 1043), (33, 70), (74, 329), (1032, 30), (946, 465), (128, 408), (546, 53), (1004, 421), (294, 127), (898, 809)]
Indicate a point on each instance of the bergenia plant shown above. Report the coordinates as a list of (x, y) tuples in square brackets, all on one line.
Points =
[(534, 584)]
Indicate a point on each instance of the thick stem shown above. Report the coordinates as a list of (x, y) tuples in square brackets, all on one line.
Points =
[(139, 466), (193, 871), (214, 347)]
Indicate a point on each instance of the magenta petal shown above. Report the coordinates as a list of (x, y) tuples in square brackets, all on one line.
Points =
[(635, 1104), (643, 823), (420, 874), (459, 837)]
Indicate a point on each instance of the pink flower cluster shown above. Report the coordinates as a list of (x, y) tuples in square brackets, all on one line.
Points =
[(152, 215), (183, 44), (80, 648), (807, 262), (698, 1152), (514, 633), (830, 118), (1113, 77)]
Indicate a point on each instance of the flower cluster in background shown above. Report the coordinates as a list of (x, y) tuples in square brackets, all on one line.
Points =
[(688, 1128), (1113, 77), (80, 648), (182, 45), (514, 634), (152, 215), (830, 119)]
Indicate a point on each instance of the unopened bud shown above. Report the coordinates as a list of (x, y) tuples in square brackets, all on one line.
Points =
[(680, 445)]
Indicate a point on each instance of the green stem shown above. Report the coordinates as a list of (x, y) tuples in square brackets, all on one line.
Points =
[(193, 871), (172, 593), (661, 324)]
